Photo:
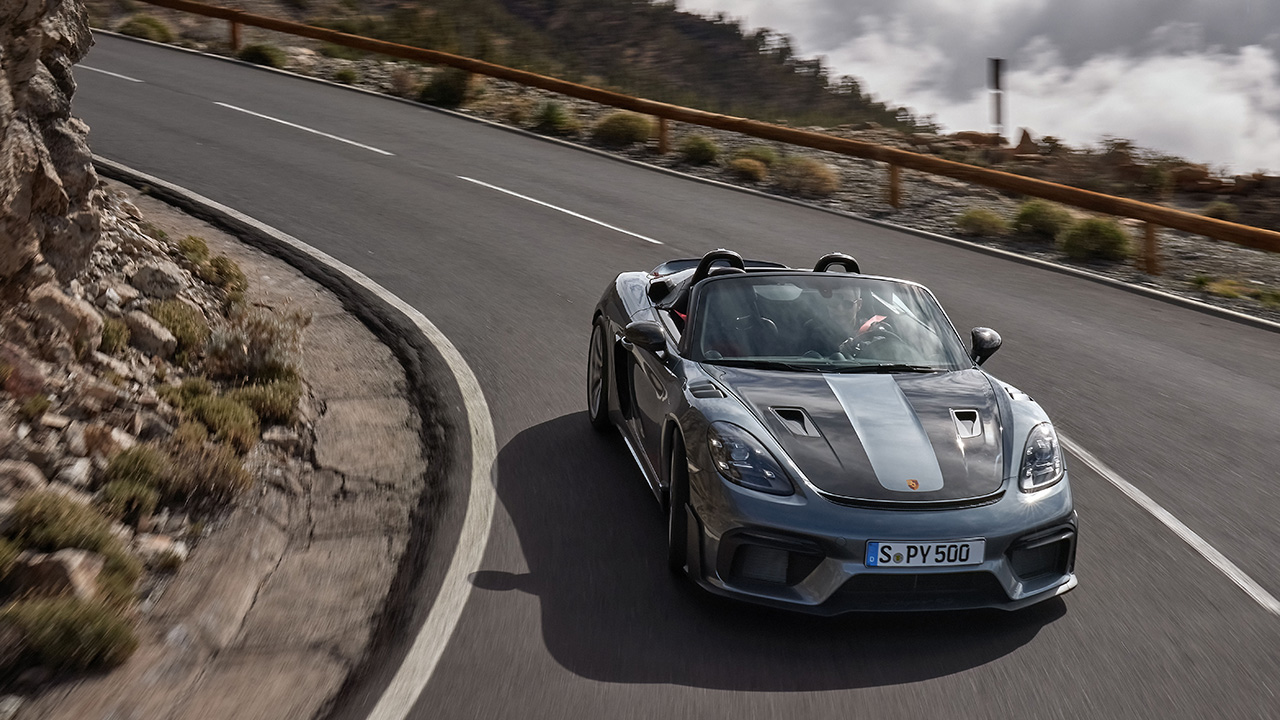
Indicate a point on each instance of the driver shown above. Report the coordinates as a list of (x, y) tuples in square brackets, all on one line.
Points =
[(840, 325)]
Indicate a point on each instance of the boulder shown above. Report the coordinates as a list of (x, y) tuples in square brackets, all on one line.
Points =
[(148, 335), (76, 473), (153, 548), (78, 318), (161, 279), (18, 477), (66, 572)]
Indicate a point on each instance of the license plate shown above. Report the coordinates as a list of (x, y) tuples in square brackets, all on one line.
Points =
[(909, 553)]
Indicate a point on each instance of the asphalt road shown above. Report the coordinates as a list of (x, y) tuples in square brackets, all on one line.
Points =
[(574, 613)]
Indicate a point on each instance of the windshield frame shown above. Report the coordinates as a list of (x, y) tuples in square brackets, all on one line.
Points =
[(946, 334)]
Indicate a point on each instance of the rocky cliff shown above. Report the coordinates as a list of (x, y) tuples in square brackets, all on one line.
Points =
[(49, 198)]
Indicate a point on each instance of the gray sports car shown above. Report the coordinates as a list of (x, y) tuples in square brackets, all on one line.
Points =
[(822, 441)]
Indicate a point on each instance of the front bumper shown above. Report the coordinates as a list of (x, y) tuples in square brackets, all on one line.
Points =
[(807, 553)]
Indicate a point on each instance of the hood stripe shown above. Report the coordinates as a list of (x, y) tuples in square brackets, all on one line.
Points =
[(892, 436)]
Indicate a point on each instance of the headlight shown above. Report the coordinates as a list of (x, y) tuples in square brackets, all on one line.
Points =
[(741, 459), (1042, 464)]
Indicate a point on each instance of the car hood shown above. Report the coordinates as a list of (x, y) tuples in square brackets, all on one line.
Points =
[(908, 437)]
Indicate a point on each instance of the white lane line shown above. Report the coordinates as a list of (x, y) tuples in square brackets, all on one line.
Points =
[(1189, 536), (108, 72), (429, 645), (560, 209), (303, 127)]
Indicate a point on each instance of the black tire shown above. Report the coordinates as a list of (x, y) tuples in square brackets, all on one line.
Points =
[(598, 378), (677, 501)]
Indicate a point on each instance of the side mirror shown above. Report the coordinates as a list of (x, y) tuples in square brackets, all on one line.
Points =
[(645, 335), (985, 344)]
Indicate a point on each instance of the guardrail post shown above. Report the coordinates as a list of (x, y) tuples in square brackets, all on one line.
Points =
[(1150, 250), (235, 36), (664, 136), (895, 186)]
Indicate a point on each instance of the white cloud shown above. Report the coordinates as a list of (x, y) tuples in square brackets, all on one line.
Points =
[(1204, 83)]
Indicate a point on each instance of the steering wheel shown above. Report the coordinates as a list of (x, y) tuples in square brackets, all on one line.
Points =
[(879, 335)]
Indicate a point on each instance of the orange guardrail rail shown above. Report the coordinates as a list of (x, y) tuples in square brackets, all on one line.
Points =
[(1153, 215)]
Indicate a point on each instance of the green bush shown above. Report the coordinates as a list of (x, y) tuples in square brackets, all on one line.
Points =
[(186, 323), (1096, 239), (194, 250), (256, 347), (130, 501), (71, 634), (347, 76), (982, 222), (262, 54), (805, 177), (115, 335), (273, 402), (190, 389), (748, 169), (48, 522), (223, 272), (8, 556), (230, 421), (699, 150), (622, 129), (139, 465), (552, 118), (447, 88), (147, 28), (762, 154), (207, 474), (1041, 220), (1220, 210)]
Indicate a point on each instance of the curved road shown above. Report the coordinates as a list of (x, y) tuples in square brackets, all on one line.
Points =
[(573, 613)]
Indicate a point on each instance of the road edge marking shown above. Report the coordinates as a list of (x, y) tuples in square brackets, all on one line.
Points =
[(108, 72), (433, 636), (1186, 534)]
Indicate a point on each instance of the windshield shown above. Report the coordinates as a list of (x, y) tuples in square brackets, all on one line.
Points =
[(824, 322)]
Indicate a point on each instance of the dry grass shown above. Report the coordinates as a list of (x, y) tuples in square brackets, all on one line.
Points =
[(805, 177), (71, 634), (622, 129), (747, 169), (186, 323), (229, 421), (981, 222), (256, 347)]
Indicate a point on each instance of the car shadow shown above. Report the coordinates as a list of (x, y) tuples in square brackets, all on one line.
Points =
[(594, 541)]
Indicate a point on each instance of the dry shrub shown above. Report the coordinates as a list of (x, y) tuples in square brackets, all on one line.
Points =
[(180, 395), (263, 54), (8, 557), (147, 28), (115, 335), (141, 465), (805, 177), (748, 169), (207, 474), (71, 634), (1096, 239), (274, 402), (762, 154), (447, 88), (699, 150), (1041, 220), (256, 346), (129, 501), (230, 421), (1221, 210), (189, 433), (194, 250), (404, 82), (622, 129), (186, 323), (553, 118), (981, 222), (224, 273)]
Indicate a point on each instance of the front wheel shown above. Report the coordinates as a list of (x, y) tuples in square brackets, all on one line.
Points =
[(597, 379), (677, 501)]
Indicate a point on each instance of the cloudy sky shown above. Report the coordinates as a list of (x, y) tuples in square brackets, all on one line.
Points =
[(1196, 78)]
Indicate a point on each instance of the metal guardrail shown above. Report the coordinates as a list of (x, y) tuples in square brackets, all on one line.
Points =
[(1154, 215)]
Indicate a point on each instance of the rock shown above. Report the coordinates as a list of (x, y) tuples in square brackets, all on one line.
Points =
[(122, 439), (97, 396), (109, 298), (78, 318), (148, 425), (77, 473), (27, 376), (68, 571), (118, 367), (74, 437), (162, 279), (127, 293), (282, 437), (1027, 146), (130, 210), (18, 477), (54, 420), (148, 335), (152, 548)]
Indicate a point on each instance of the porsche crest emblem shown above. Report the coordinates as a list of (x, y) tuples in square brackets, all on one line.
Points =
[(913, 484)]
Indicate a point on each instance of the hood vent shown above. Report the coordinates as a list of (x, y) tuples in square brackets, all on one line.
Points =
[(796, 420), (705, 389), (968, 423)]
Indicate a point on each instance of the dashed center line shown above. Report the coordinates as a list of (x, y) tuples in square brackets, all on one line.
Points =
[(108, 72), (1189, 536), (304, 128), (557, 208)]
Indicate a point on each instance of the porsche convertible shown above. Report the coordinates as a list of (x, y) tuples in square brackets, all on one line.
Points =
[(822, 440)]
